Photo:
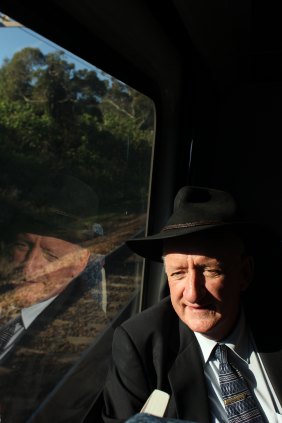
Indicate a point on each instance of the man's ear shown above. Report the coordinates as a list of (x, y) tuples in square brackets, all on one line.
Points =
[(248, 266), (84, 256)]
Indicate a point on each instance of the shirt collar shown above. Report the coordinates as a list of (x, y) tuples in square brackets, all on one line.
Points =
[(30, 313)]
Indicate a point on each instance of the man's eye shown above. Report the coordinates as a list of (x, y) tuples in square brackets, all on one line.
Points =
[(49, 255), (212, 273), (177, 275), (21, 246)]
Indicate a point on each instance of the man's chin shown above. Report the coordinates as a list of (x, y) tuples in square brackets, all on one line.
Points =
[(202, 323)]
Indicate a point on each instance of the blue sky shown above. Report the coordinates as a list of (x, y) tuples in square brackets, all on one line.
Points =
[(16, 38)]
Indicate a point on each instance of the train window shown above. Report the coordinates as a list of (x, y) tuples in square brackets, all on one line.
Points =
[(75, 154)]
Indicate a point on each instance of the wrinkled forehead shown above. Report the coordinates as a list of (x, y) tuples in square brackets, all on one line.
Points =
[(218, 243)]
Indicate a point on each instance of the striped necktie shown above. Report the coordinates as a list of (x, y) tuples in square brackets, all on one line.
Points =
[(240, 405), (7, 331)]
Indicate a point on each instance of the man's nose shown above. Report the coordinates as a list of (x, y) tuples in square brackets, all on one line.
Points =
[(194, 286), (34, 263)]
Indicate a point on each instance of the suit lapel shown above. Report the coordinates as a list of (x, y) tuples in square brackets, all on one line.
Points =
[(269, 347), (266, 333), (273, 366), (187, 379)]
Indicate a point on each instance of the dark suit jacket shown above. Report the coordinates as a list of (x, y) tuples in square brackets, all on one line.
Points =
[(48, 350), (155, 350)]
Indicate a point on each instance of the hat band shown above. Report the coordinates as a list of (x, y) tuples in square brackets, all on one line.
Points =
[(191, 225), (63, 213)]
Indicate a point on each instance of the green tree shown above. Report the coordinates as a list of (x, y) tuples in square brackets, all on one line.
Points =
[(17, 75), (60, 118)]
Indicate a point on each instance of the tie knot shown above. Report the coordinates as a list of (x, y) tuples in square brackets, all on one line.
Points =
[(221, 353)]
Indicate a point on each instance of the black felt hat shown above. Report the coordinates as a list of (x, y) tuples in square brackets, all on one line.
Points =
[(57, 205), (195, 209)]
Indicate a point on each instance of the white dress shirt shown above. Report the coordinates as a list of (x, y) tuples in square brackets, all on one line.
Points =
[(250, 365)]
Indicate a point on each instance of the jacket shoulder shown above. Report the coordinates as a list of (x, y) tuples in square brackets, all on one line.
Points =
[(157, 318)]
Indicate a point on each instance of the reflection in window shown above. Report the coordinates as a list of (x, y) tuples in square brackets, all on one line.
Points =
[(75, 152)]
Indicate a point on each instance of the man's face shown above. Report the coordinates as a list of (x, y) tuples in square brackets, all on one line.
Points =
[(206, 278), (40, 267)]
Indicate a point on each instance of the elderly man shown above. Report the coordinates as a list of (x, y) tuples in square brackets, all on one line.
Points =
[(213, 344), (52, 304)]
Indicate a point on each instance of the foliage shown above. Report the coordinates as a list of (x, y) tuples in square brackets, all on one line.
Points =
[(54, 117)]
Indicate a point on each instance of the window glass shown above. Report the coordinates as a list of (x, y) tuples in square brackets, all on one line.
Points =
[(75, 154)]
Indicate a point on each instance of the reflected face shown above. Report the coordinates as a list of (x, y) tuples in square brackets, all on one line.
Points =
[(41, 266), (206, 278)]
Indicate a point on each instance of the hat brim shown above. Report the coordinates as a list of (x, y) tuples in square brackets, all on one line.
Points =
[(151, 247)]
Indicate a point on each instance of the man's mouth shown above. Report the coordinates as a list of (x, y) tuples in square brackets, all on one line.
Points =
[(18, 283), (6, 287), (200, 307)]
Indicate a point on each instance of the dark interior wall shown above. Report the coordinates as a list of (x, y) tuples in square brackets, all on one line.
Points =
[(247, 157), (238, 103), (239, 148)]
